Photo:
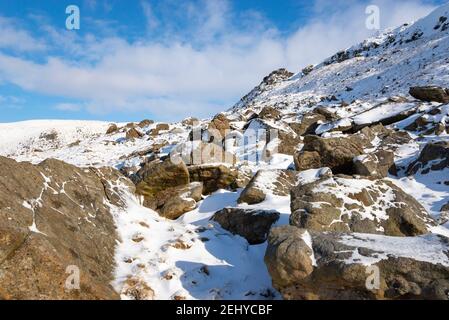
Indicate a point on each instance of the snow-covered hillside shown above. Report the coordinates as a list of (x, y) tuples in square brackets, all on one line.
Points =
[(351, 115)]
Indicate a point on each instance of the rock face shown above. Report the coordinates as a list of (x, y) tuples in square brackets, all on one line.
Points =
[(430, 94), (434, 157), (251, 224), (346, 204), (276, 182), (345, 266), (54, 216), (166, 188), (214, 177)]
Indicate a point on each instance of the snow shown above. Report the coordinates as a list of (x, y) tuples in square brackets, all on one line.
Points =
[(429, 248), (382, 112), (235, 270), (344, 188)]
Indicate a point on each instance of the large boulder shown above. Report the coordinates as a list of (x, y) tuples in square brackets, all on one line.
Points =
[(177, 201), (377, 164), (336, 153), (113, 128), (430, 94), (269, 113), (346, 204), (434, 157), (166, 188), (308, 123), (219, 126), (265, 182), (214, 176), (200, 153), (145, 123), (251, 224), (133, 133), (331, 266), (158, 128), (55, 219)]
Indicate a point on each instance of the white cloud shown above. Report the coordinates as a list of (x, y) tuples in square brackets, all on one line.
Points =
[(69, 107), (152, 21), (174, 77), (17, 39)]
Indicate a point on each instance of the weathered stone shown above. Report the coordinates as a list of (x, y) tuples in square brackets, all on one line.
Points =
[(288, 256), (344, 263), (251, 224)]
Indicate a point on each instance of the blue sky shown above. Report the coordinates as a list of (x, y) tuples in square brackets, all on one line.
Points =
[(166, 59)]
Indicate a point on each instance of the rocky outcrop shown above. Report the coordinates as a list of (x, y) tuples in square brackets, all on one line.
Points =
[(251, 224), (275, 182), (434, 157), (346, 204), (55, 219), (331, 266), (430, 94)]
